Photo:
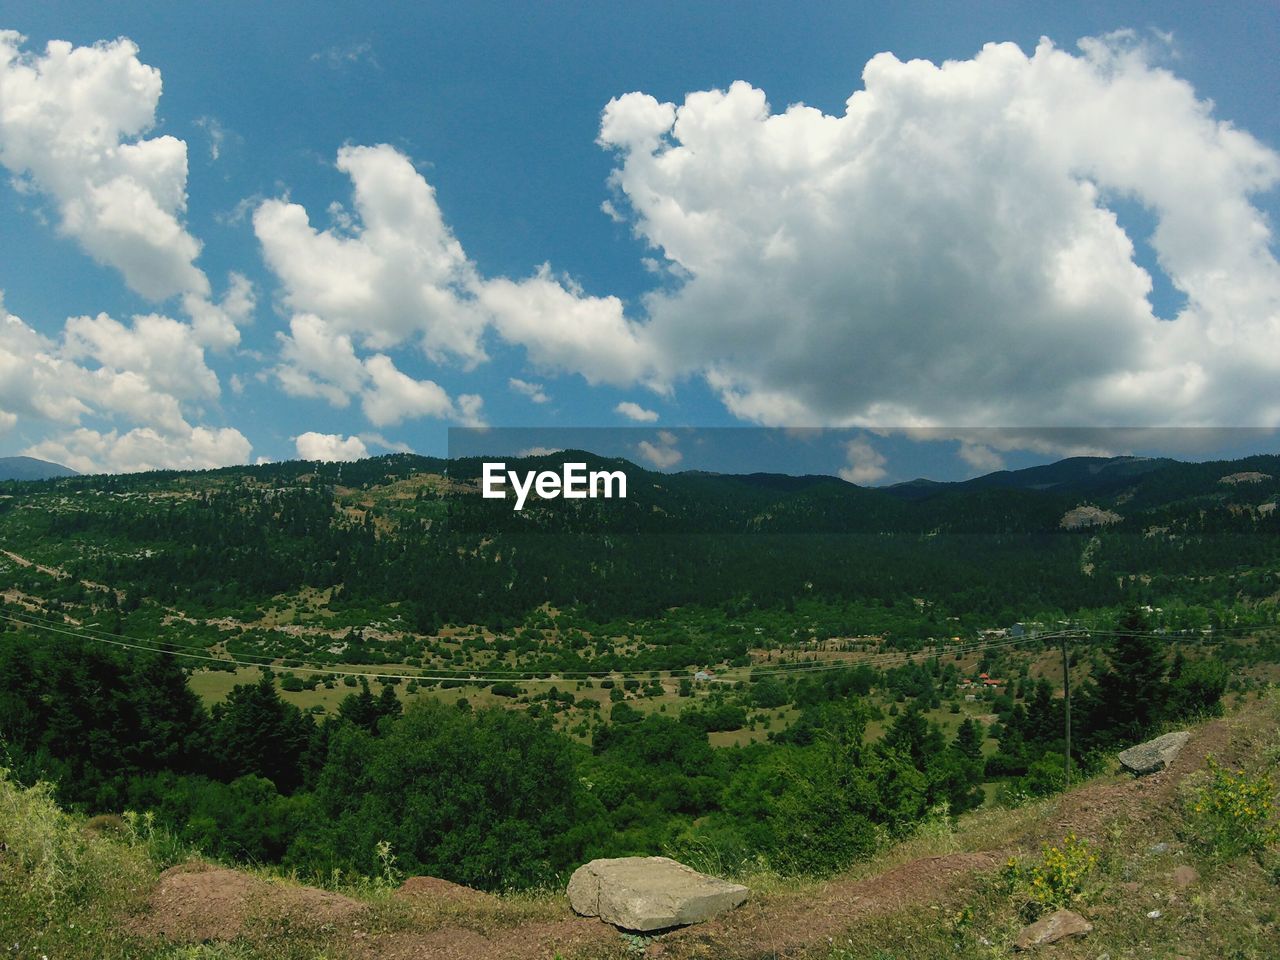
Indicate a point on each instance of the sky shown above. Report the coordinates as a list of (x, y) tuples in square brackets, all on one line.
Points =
[(234, 232)]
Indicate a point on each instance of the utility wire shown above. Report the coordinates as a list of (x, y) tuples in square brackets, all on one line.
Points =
[(488, 676)]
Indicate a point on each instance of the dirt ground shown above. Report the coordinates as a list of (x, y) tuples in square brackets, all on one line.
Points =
[(196, 902)]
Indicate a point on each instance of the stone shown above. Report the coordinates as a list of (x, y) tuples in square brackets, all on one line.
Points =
[(1058, 925), (650, 893), (1154, 755), (1184, 876)]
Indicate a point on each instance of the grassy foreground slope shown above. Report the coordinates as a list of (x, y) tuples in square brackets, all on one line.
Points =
[(1180, 864)]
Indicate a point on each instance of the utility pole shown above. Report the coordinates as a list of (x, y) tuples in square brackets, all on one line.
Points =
[(1066, 693)]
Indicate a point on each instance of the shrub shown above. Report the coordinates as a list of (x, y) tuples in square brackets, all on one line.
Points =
[(1232, 812), (1059, 879), (51, 863)]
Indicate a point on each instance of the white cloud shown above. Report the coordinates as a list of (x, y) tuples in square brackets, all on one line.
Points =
[(394, 396), (389, 273), (662, 454), (981, 457), (943, 251), (470, 410), (329, 447), (144, 448), (633, 411), (534, 391), (161, 351), (399, 276), (562, 328), (338, 56), (217, 325), (316, 362), (138, 378), (378, 440), (71, 125), (866, 464), (216, 133)]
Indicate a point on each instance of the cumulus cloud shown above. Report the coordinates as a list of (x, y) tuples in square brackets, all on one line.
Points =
[(71, 126), (143, 379), (317, 362), (944, 250), (633, 411), (400, 274), (389, 273), (217, 325), (329, 447), (144, 448), (394, 396), (865, 464), (564, 329)]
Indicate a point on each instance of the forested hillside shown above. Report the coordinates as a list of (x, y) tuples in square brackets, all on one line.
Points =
[(315, 664)]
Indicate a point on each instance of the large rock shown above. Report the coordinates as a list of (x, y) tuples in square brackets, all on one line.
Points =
[(650, 893), (1056, 926), (1154, 755)]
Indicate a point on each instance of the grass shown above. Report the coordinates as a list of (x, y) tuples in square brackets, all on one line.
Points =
[(64, 890)]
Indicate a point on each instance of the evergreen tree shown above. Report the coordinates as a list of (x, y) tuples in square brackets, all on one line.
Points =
[(388, 703), (969, 737), (256, 732), (1130, 692), (361, 708)]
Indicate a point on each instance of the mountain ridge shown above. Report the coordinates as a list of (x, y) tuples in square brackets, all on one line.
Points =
[(30, 468)]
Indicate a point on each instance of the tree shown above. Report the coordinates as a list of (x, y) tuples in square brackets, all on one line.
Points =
[(487, 798), (256, 732), (1130, 692), (361, 708)]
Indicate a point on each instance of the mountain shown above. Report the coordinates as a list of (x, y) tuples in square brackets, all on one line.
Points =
[(29, 468), (1076, 475)]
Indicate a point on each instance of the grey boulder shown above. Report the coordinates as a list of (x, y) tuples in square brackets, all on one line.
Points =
[(1058, 925), (1154, 755), (650, 893)]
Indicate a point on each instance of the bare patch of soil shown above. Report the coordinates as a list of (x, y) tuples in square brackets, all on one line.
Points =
[(433, 888), (195, 902), (543, 939)]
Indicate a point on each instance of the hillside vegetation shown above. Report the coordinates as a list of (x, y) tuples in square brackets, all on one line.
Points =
[(341, 669), (1176, 864)]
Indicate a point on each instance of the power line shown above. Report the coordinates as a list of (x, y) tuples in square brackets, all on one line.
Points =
[(490, 676)]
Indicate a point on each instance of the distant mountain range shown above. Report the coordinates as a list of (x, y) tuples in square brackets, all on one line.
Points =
[(29, 468), (1075, 474)]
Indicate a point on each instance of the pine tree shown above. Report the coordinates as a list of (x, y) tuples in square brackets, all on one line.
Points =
[(1131, 692)]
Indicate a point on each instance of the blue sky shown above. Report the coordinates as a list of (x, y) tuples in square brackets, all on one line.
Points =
[(947, 251)]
